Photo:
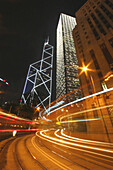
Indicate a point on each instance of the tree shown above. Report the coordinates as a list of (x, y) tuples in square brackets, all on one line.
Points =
[(26, 111)]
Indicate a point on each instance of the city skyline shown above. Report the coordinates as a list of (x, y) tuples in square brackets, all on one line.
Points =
[(75, 130), (24, 26)]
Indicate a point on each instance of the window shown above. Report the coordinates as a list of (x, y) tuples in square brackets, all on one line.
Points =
[(88, 85), (82, 25), (111, 42), (93, 29), (100, 74), (107, 55), (109, 4), (94, 59), (105, 22), (76, 33), (96, 63), (108, 13), (79, 42), (98, 24)]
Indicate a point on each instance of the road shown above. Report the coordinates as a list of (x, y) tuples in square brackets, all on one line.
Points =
[(53, 149)]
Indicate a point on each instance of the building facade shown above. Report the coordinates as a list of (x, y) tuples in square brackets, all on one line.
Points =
[(66, 68), (93, 37)]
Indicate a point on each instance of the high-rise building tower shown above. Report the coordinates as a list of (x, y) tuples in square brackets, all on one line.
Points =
[(93, 37), (66, 70), (38, 85)]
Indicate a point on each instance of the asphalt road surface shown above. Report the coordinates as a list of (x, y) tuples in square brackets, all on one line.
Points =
[(50, 149)]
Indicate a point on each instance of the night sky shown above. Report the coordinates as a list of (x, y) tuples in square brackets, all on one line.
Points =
[(24, 26)]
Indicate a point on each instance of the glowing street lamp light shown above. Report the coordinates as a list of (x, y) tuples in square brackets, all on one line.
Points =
[(62, 110), (38, 108), (84, 68)]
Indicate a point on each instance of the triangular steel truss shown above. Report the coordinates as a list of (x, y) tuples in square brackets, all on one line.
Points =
[(38, 85)]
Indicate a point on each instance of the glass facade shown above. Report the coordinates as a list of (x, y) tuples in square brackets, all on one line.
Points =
[(67, 71)]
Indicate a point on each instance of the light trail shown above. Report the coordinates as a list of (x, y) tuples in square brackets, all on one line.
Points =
[(81, 99), (6, 118), (17, 118), (80, 120), (109, 77), (59, 164), (4, 81), (85, 140), (18, 130), (84, 111), (83, 146), (56, 141)]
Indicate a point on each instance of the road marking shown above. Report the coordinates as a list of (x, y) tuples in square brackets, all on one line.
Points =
[(61, 165)]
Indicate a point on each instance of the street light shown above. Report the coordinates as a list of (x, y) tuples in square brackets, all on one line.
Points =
[(38, 108), (62, 110), (85, 69)]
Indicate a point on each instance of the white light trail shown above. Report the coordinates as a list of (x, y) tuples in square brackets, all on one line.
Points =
[(78, 100), (85, 140), (83, 146), (82, 120), (84, 111), (56, 141), (59, 164)]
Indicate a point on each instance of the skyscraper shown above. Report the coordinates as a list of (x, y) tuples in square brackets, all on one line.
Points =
[(93, 37), (66, 70)]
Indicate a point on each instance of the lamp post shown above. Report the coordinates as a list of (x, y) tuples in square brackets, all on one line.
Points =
[(85, 69)]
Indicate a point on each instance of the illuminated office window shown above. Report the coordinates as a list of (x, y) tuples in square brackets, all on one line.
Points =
[(67, 63)]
